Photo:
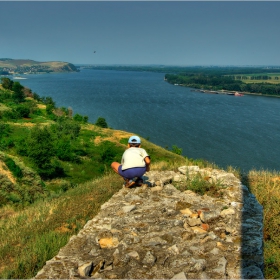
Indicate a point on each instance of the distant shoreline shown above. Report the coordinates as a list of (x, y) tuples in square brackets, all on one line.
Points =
[(227, 92)]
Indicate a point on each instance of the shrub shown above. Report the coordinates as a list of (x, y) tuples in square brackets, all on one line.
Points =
[(66, 127), (176, 150), (21, 146), (48, 101), (41, 150), (80, 118), (64, 150), (10, 115), (36, 96), (18, 92), (201, 185), (5, 129), (85, 119), (109, 152), (23, 111), (7, 83), (49, 109), (101, 122), (5, 96)]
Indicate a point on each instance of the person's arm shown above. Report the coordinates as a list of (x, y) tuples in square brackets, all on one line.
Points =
[(148, 162)]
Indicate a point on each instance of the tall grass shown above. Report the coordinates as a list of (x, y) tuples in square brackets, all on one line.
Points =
[(266, 187), (31, 237)]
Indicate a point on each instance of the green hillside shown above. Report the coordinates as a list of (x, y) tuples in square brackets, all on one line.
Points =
[(27, 66)]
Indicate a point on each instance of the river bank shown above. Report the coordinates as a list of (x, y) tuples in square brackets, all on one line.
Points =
[(234, 93)]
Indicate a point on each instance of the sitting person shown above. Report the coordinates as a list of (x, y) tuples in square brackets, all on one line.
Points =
[(135, 162)]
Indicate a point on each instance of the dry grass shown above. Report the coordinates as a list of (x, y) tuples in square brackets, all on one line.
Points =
[(3, 107), (274, 82), (6, 172), (163, 165), (112, 135), (38, 232), (41, 106), (249, 81), (266, 187)]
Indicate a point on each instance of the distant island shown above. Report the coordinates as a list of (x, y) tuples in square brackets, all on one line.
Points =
[(10, 66)]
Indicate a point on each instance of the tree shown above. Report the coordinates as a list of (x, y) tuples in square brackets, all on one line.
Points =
[(7, 83), (78, 118), (41, 150), (101, 122), (23, 111), (18, 92), (66, 128), (36, 96)]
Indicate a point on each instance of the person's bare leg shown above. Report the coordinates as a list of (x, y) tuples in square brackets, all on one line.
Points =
[(115, 167)]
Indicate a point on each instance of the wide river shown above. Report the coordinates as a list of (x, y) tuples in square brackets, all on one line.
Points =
[(242, 132)]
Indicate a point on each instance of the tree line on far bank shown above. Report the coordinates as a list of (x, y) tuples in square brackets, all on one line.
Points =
[(221, 82)]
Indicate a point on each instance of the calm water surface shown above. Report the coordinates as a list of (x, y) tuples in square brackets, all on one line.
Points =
[(239, 131)]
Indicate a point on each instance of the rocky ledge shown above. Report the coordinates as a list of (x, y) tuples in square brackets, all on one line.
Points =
[(159, 232)]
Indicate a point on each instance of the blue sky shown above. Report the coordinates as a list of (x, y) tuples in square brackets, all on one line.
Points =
[(130, 32)]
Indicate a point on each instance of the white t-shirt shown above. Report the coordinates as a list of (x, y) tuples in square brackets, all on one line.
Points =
[(133, 157)]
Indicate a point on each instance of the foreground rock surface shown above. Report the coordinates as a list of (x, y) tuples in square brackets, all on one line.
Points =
[(156, 231)]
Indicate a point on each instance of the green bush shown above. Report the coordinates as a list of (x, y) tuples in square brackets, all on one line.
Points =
[(10, 115), (49, 109), (201, 185), (5, 129), (21, 145), (78, 118), (101, 122), (36, 96), (5, 96), (109, 152), (64, 150), (23, 111), (176, 150), (64, 127), (18, 92), (41, 151), (7, 83)]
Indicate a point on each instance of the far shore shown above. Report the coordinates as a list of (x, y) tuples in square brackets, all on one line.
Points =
[(228, 92)]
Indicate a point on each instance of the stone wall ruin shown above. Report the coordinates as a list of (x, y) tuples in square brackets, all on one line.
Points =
[(159, 232)]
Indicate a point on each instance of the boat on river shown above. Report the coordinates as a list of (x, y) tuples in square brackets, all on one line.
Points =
[(238, 94), (19, 78)]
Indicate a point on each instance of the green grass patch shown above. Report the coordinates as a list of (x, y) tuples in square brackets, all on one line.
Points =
[(13, 167), (201, 185)]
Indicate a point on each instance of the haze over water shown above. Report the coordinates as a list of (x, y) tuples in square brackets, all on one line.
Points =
[(238, 131)]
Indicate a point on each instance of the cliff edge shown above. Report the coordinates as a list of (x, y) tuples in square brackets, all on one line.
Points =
[(157, 231)]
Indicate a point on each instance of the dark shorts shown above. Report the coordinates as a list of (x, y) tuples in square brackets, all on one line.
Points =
[(132, 172)]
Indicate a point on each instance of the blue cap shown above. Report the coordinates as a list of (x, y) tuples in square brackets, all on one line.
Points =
[(134, 140)]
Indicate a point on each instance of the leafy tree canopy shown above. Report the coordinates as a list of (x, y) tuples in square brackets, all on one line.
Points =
[(7, 83), (101, 122)]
